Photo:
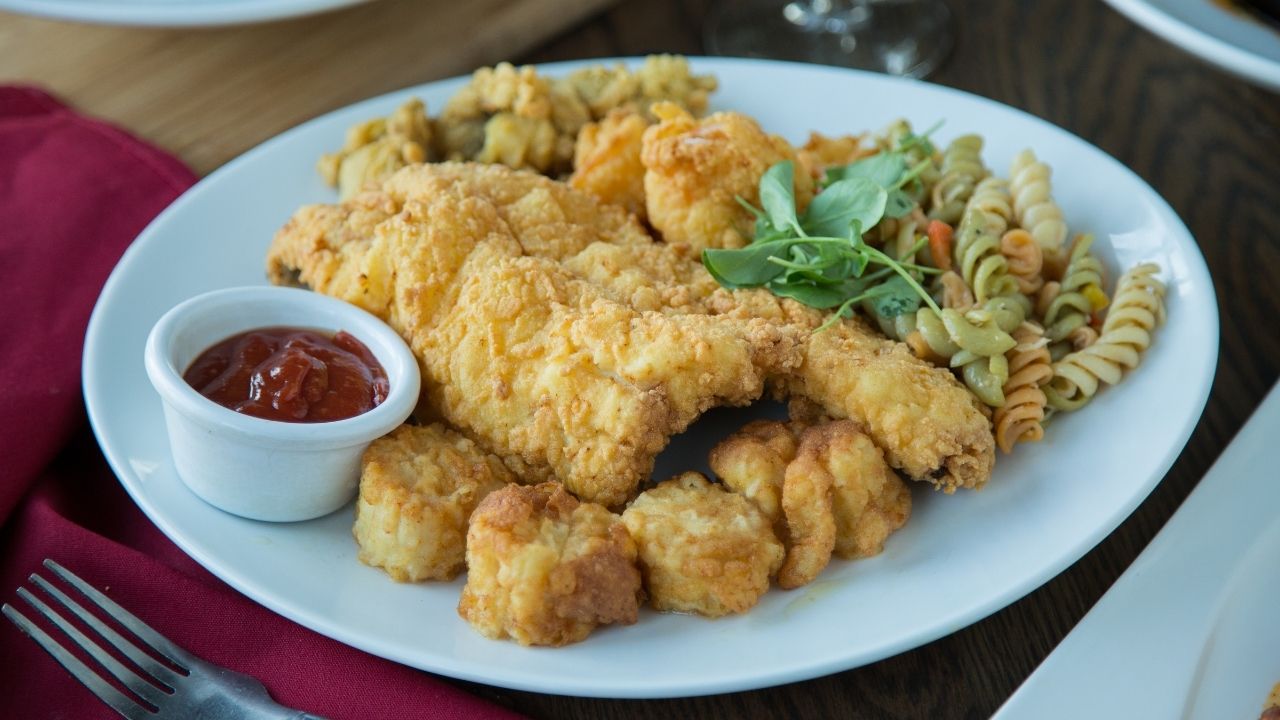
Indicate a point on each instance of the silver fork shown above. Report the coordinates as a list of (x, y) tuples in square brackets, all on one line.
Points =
[(192, 688)]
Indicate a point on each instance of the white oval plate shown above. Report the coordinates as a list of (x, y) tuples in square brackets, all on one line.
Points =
[(1237, 44), (173, 13), (960, 558)]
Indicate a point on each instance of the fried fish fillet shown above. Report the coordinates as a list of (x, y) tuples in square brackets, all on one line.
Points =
[(542, 367)]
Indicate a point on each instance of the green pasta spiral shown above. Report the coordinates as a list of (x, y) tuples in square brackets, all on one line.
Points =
[(961, 171), (1071, 307)]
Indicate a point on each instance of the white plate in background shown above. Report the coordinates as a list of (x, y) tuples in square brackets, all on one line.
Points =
[(1234, 42), (173, 13), (1191, 630), (960, 558)]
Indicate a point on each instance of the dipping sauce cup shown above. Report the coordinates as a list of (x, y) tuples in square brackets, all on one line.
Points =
[(270, 469)]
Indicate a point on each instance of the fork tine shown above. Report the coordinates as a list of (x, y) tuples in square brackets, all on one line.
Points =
[(127, 677), (167, 677), (158, 642), (118, 701)]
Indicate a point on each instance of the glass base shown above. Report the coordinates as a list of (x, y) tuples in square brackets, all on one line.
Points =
[(910, 38)]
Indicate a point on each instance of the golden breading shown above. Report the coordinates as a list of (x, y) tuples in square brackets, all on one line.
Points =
[(929, 426), (753, 463), (660, 78), (702, 549), (606, 161), (695, 171), (376, 148), (545, 569), (418, 486), (826, 487)]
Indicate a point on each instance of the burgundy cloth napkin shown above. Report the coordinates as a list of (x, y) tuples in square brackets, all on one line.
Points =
[(73, 193)]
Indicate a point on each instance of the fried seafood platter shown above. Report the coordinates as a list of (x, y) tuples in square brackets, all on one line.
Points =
[(585, 264)]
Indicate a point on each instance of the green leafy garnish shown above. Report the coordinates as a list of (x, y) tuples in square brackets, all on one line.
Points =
[(819, 257)]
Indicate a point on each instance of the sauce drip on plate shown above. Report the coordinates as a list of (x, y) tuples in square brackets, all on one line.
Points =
[(291, 375)]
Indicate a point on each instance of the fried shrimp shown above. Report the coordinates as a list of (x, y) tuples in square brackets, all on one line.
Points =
[(702, 550), (545, 569), (418, 486), (824, 484)]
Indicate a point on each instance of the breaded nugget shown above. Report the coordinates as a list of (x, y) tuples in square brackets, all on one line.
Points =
[(606, 161), (753, 463), (418, 486), (826, 486), (696, 169), (702, 549), (544, 569)]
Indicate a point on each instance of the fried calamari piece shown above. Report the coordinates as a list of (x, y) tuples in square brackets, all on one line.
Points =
[(606, 161), (820, 152), (418, 486), (826, 485), (545, 569), (376, 148), (929, 426), (695, 171), (702, 549), (660, 78)]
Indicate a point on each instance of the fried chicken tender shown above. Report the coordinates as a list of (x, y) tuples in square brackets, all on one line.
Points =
[(606, 161), (376, 148), (545, 569), (696, 169), (827, 485), (551, 372), (702, 549), (929, 426), (418, 486)]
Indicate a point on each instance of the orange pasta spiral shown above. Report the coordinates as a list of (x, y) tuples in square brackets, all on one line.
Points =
[(1025, 259), (1019, 419)]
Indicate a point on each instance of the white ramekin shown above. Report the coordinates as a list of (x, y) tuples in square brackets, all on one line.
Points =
[(268, 469)]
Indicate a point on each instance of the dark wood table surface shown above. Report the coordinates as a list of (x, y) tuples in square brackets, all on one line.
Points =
[(1207, 142)]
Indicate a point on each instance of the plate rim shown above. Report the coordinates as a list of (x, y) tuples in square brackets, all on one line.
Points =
[(144, 14), (591, 687), (1210, 48)]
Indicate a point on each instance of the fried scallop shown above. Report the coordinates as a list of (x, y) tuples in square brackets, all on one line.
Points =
[(702, 549), (545, 569), (418, 486), (826, 486)]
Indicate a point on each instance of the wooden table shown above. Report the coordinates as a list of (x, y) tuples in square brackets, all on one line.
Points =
[(1208, 143)]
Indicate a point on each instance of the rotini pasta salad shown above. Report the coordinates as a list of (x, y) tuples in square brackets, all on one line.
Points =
[(973, 269)]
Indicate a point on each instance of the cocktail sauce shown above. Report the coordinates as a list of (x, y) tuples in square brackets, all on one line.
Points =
[(291, 375)]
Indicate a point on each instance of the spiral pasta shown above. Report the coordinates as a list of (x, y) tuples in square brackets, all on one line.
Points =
[(1024, 258), (991, 196), (1033, 204), (977, 255), (1066, 305), (961, 170), (1138, 307), (1020, 418)]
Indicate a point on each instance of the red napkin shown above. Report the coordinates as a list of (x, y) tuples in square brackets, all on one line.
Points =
[(73, 193)]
